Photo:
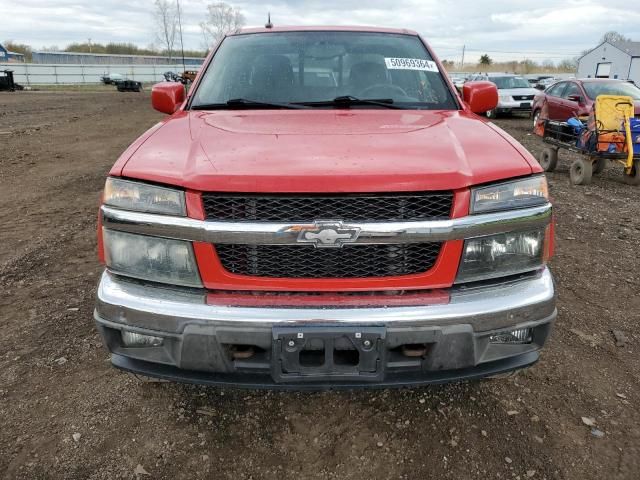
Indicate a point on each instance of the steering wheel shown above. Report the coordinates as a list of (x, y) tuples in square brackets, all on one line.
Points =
[(382, 87)]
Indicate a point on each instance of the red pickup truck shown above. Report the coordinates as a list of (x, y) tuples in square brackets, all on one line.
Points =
[(323, 209)]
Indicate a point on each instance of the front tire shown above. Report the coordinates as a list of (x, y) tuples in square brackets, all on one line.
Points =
[(581, 172), (598, 165), (548, 159), (535, 116)]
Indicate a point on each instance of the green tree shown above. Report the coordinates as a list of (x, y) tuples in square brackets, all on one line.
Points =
[(485, 60)]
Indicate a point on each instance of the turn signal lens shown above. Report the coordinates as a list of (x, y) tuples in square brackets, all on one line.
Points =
[(523, 335), (132, 339)]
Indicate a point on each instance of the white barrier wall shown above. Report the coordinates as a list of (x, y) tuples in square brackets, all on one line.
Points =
[(53, 74)]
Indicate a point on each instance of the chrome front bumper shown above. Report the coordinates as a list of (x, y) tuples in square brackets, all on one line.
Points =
[(514, 105), (197, 335)]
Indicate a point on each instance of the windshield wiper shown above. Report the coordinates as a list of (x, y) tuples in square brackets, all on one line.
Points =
[(244, 103), (349, 100)]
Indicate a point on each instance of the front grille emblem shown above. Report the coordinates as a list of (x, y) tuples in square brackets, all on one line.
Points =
[(327, 234)]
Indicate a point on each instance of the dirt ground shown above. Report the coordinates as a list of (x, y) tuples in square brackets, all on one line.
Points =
[(66, 413)]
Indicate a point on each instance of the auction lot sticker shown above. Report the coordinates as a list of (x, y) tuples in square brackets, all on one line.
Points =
[(411, 64)]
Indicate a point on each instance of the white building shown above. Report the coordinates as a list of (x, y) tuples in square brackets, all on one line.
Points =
[(612, 60)]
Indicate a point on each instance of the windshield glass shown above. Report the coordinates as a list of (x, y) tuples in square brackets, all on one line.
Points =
[(594, 89), (510, 82), (300, 67)]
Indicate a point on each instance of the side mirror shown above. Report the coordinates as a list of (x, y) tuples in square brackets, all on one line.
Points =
[(574, 98), (480, 96), (166, 97)]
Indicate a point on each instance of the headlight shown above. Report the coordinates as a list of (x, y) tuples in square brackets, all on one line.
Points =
[(151, 258), (504, 98), (141, 197), (502, 255), (529, 192)]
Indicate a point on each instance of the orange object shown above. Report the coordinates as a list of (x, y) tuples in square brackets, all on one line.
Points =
[(605, 139)]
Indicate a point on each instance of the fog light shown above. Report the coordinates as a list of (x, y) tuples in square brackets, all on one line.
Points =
[(132, 339), (522, 335)]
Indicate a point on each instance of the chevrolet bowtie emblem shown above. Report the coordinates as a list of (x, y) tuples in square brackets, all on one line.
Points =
[(328, 234)]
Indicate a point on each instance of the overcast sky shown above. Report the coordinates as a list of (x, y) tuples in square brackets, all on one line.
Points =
[(535, 29)]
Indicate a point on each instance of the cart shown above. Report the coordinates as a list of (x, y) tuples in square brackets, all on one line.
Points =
[(6, 81), (599, 140), (128, 85)]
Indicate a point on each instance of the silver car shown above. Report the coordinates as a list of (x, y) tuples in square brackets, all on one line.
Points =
[(515, 94)]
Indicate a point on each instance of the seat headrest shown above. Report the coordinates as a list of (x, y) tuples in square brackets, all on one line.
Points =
[(365, 74), (272, 71)]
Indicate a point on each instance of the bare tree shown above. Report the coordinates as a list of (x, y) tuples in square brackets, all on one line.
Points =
[(568, 64), (222, 18), (166, 24), (548, 65), (613, 37)]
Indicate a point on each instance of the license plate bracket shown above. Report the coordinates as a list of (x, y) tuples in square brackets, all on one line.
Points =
[(308, 354)]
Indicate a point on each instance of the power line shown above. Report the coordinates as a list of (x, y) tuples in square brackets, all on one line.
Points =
[(508, 52)]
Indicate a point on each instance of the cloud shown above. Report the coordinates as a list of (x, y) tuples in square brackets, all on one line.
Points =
[(538, 30)]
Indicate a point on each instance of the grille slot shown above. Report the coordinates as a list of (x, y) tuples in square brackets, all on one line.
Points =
[(353, 207), (523, 97), (350, 261)]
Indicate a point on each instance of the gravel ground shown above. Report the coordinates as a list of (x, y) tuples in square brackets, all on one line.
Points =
[(66, 413)]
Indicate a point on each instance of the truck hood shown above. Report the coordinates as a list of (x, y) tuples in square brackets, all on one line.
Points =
[(518, 91), (358, 150)]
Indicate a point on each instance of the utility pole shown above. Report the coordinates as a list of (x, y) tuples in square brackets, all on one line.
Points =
[(184, 67), (89, 45), (462, 63)]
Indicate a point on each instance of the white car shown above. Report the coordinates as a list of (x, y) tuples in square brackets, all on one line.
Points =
[(515, 94)]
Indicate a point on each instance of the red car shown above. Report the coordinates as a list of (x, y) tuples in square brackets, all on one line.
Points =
[(324, 209), (574, 98)]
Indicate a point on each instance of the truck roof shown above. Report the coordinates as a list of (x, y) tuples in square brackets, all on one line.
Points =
[(325, 28)]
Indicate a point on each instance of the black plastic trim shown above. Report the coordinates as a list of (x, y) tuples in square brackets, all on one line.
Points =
[(257, 381)]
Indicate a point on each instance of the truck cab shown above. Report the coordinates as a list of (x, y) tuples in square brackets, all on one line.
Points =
[(324, 209)]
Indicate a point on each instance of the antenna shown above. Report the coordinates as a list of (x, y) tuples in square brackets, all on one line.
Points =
[(268, 24), (184, 67)]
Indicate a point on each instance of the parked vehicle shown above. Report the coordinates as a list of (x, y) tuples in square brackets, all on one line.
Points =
[(515, 95), (111, 79), (7, 83), (459, 79), (171, 77), (128, 85), (544, 82), (574, 98), (270, 233)]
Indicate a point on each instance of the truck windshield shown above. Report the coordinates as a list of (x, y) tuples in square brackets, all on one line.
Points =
[(594, 89), (313, 69), (510, 82)]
